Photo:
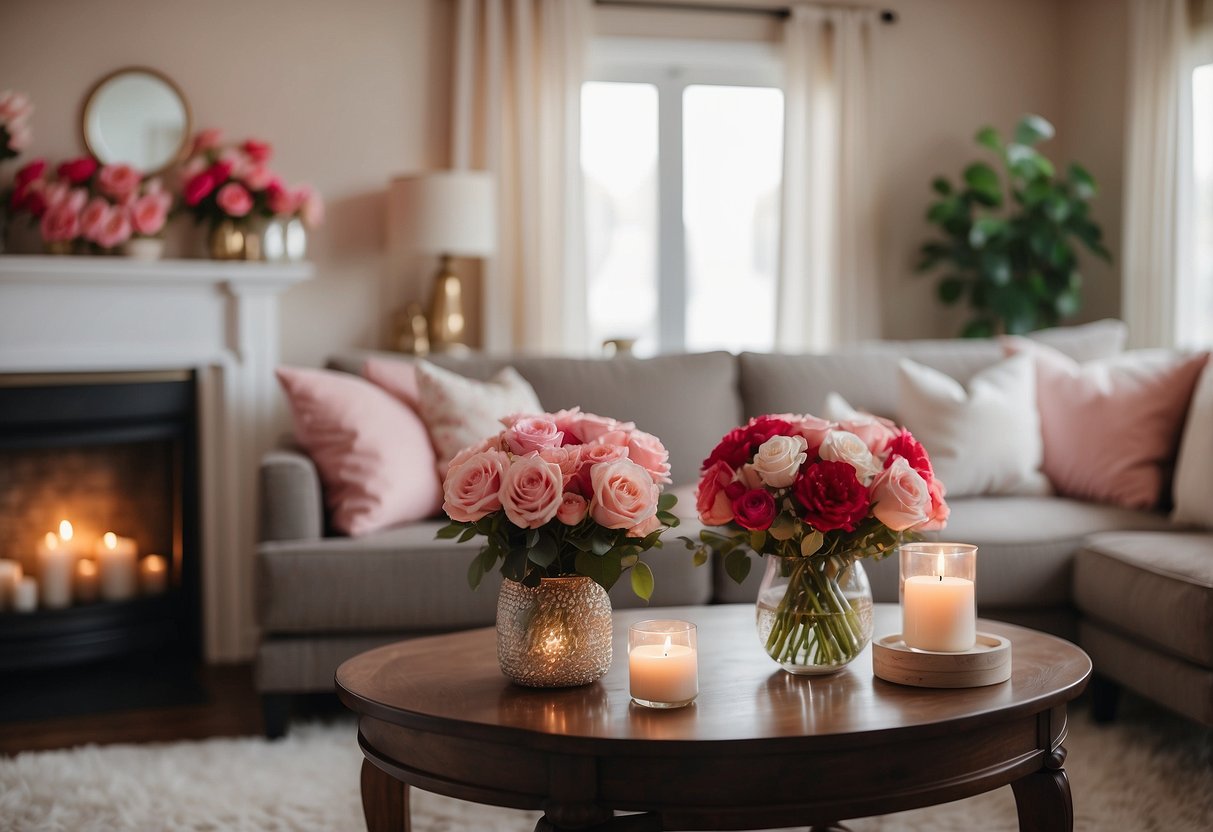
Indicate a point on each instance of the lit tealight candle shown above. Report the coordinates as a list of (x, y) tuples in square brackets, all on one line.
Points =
[(10, 577), (663, 663), (86, 581), (153, 575), (116, 567), (938, 607), (56, 567), (26, 597)]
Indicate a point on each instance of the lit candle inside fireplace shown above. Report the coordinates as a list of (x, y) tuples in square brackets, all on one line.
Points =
[(153, 575), (116, 567), (86, 581), (57, 567), (26, 597), (10, 577)]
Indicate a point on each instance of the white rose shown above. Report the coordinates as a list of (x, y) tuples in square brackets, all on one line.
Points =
[(900, 498), (841, 446), (779, 459)]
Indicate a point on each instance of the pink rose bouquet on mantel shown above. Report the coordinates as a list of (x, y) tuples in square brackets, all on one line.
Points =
[(561, 494), (817, 496), (15, 131)]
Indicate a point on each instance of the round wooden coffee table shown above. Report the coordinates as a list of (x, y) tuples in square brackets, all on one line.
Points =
[(758, 749)]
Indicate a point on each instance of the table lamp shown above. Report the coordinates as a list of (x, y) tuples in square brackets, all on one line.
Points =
[(452, 214)]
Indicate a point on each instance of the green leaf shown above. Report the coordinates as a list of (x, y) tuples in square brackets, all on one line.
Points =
[(544, 552), (700, 557), (449, 531), (588, 565), (983, 181), (996, 268), (984, 230), (600, 544), (941, 186), (1033, 129), (989, 137), (1028, 163), (475, 572), (758, 540), (666, 502), (737, 565), (468, 534), (642, 580), (532, 537), (784, 527), (1057, 208), (1068, 303), (811, 544), (978, 328), (951, 288), (1082, 182), (514, 567), (942, 211)]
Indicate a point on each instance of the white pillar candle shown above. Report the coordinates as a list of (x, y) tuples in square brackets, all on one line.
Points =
[(86, 581), (116, 567), (10, 577), (663, 663), (26, 597), (57, 567), (153, 575), (939, 614)]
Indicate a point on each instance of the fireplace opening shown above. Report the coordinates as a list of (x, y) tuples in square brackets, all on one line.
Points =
[(99, 542)]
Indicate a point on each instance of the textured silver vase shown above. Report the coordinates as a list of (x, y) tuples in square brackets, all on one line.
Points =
[(555, 635)]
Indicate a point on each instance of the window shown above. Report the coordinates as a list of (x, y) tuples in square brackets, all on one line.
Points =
[(681, 151), (1196, 287)]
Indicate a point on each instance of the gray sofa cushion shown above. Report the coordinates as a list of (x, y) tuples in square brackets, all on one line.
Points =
[(1152, 587), (292, 507), (1026, 548), (689, 401)]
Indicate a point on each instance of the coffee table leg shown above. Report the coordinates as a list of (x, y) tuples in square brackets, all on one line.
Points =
[(385, 800), (1043, 797)]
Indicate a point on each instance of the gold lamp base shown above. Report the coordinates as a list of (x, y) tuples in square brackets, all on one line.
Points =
[(447, 323)]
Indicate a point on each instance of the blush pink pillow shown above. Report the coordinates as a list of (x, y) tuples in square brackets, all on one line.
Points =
[(395, 376), (1111, 427), (372, 452)]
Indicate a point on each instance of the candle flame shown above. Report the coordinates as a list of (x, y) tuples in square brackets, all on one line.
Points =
[(111, 540), (666, 652), (86, 568), (65, 530), (52, 542), (941, 566)]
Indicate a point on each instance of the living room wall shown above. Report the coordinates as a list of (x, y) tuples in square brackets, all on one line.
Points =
[(348, 93)]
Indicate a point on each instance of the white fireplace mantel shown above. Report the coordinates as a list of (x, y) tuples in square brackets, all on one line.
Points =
[(219, 319)]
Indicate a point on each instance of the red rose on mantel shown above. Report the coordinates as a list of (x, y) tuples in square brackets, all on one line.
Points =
[(739, 444), (832, 496), (78, 171), (755, 510)]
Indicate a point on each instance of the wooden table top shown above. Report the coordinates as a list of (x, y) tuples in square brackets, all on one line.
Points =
[(452, 684)]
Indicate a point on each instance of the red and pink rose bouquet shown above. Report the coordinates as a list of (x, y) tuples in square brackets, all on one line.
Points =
[(817, 496), (560, 494), (15, 131)]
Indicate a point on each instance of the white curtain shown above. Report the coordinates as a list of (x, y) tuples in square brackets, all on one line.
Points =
[(828, 290), (1155, 118), (517, 79)]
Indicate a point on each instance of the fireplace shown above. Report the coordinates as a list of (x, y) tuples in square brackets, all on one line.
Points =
[(117, 618)]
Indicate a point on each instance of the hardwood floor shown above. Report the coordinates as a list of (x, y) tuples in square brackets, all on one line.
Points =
[(230, 708)]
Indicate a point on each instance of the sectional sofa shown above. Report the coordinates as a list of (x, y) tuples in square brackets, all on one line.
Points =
[(1080, 570)]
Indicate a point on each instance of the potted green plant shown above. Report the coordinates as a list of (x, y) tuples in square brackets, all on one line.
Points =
[(1009, 242)]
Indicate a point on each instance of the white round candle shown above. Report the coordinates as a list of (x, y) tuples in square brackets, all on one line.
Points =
[(939, 614), (664, 673), (57, 567), (86, 581), (26, 597), (116, 567), (153, 575), (10, 577)]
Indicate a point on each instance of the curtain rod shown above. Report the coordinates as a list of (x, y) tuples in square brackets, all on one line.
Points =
[(886, 15)]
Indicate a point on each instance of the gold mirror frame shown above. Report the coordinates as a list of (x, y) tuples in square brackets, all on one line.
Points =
[(187, 131)]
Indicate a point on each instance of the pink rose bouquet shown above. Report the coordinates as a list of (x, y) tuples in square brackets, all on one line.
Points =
[(15, 132), (817, 495), (559, 494)]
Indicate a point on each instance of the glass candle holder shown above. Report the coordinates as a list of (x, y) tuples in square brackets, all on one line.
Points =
[(663, 663), (938, 606)]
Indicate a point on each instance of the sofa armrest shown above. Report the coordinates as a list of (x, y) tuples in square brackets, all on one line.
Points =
[(292, 506)]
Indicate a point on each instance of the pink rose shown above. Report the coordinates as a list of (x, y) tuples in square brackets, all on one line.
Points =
[(257, 150), (207, 140), (233, 162), (587, 427), (875, 431), (714, 506), (92, 218), (490, 444), (592, 455), (567, 457), (257, 177), (118, 181), (531, 491), (624, 494), (311, 207), (645, 527), (234, 200), (573, 509), (60, 223), (15, 107), (646, 450), (198, 188), (900, 497), (939, 508), (613, 437), (150, 212), (115, 230), (19, 136), (814, 429), (472, 489), (532, 433), (281, 201)]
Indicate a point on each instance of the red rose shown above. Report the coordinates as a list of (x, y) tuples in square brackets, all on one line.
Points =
[(755, 510), (739, 444), (220, 172), (905, 445), (258, 151), (832, 496), (198, 188), (28, 173), (78, 171)]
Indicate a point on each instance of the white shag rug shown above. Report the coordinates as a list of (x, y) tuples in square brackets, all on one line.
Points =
[(1149, 771)]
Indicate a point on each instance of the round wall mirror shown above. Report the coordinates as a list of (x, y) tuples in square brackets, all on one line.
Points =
[(136, 116)]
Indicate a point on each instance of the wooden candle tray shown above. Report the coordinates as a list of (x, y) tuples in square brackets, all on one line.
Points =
[(988, 663)]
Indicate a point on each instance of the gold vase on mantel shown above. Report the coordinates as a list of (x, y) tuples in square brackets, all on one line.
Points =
[(227, 241)]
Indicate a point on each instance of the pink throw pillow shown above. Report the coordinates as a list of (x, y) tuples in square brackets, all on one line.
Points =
[(1111, 427), (395, 376), (372, 452)]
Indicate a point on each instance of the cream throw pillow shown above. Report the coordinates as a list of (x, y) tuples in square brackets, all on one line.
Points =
[(460, 411), (1193, 486), (983, 440)]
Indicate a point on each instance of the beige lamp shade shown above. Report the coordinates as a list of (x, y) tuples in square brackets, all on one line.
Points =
[(444, 212)]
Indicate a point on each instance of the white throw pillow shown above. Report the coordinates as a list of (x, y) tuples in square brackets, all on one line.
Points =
[(460, 411), (1191, 489), (983, 440)]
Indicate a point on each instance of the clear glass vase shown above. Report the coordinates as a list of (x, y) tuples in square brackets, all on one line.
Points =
[(555, 635), (814, 614)]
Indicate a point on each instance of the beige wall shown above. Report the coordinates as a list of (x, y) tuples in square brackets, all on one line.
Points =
[(348, 92)]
